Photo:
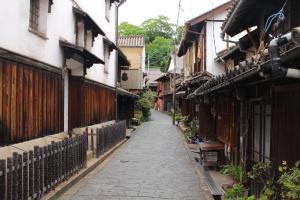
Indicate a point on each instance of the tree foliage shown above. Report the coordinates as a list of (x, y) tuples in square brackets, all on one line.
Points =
[(158, 27), (159, 34), (145, 103), (179, 34), (126, 29), (159, 51)]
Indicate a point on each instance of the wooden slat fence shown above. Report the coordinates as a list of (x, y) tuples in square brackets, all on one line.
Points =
[(32, 174), (109, 136)]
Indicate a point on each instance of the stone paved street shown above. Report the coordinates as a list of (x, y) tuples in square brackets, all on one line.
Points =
[(154, 164)]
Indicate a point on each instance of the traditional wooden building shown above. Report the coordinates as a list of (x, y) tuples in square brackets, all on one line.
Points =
[(133, 78), (199, 45), (58, 63), (164, 94), (152, 75), (254, 104)]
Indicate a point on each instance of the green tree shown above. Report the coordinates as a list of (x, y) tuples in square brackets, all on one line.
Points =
[(179, 34), (127, 29), (158, 27), (159, 52)]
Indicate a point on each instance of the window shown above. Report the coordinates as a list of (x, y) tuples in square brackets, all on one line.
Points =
[(107, 9), (106, 58), (34, 15), (38, 17), (80, 33), (261, 132)]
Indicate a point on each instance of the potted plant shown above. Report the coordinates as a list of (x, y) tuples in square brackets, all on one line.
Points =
[(289, 181), (238, 192), (192, 131), (236, 172), (178, 118)]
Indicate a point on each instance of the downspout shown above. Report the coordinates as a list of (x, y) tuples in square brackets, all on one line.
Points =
[(275, 68), (117, 55)]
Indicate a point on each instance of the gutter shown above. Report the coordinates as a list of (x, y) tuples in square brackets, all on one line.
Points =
[(275, 67)]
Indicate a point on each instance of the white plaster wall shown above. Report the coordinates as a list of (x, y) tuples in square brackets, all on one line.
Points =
[(96, 9), (214, 28), (14, 34)]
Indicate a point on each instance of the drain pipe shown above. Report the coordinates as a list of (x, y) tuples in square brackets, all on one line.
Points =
[(275, 68)]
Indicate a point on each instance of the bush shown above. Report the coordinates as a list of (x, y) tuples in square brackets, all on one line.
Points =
[(237, 192), (145, 103), (135, 121), (178, 118), (192, 130), (237, 172), (290, 181)]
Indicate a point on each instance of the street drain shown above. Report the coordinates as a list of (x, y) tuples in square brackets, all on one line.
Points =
[(124, 161)]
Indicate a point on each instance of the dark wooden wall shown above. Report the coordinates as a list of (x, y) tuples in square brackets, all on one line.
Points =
[(285, 125), (89, 103), (125, 108), (225, 120), (31, 102), (206, 121)]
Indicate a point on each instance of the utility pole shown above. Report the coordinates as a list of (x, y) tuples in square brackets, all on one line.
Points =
[(174, 84), (175, 64), (148, 62)]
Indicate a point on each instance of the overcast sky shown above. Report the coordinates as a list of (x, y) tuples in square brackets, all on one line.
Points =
[(137, 11)]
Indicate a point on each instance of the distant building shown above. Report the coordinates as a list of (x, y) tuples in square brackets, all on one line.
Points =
[(133, 47), (164, 94), (152, 75)]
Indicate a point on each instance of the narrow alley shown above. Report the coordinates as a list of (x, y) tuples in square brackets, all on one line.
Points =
[(154, 164)]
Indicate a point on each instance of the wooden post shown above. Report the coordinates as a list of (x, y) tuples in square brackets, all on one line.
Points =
[(3, 179), (25, 176), (60, 161), (50, 167), (20, 175), (46, 169), (37, 172), (92, 141), (15, 176), (31, 175), (9, 178), (42, 171)]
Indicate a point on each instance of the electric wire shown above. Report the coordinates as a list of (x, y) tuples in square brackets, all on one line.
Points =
[(278, 15)]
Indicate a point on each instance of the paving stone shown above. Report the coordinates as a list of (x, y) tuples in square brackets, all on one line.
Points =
[(154, 164)]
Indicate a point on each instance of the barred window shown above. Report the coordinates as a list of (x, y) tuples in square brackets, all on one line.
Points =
[(34, 14), (107, 9), (106, 58)]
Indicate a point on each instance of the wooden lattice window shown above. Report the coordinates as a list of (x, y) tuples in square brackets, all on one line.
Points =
[(34, 14)]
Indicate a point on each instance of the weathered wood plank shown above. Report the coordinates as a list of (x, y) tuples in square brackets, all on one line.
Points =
[(40, 104), (26, 100), (44, 103), (7, 102), (35, 104), (20, 103), (14, 136), (1, 104), (30, 104)]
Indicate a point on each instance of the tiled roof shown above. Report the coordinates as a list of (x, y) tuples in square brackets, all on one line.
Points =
[(153, 74), (232, 76), (131, 41), (230, 11), (194, 24), (244, 14)]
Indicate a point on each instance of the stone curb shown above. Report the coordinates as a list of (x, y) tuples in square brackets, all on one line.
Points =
[(62, 188), (201, 177)]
